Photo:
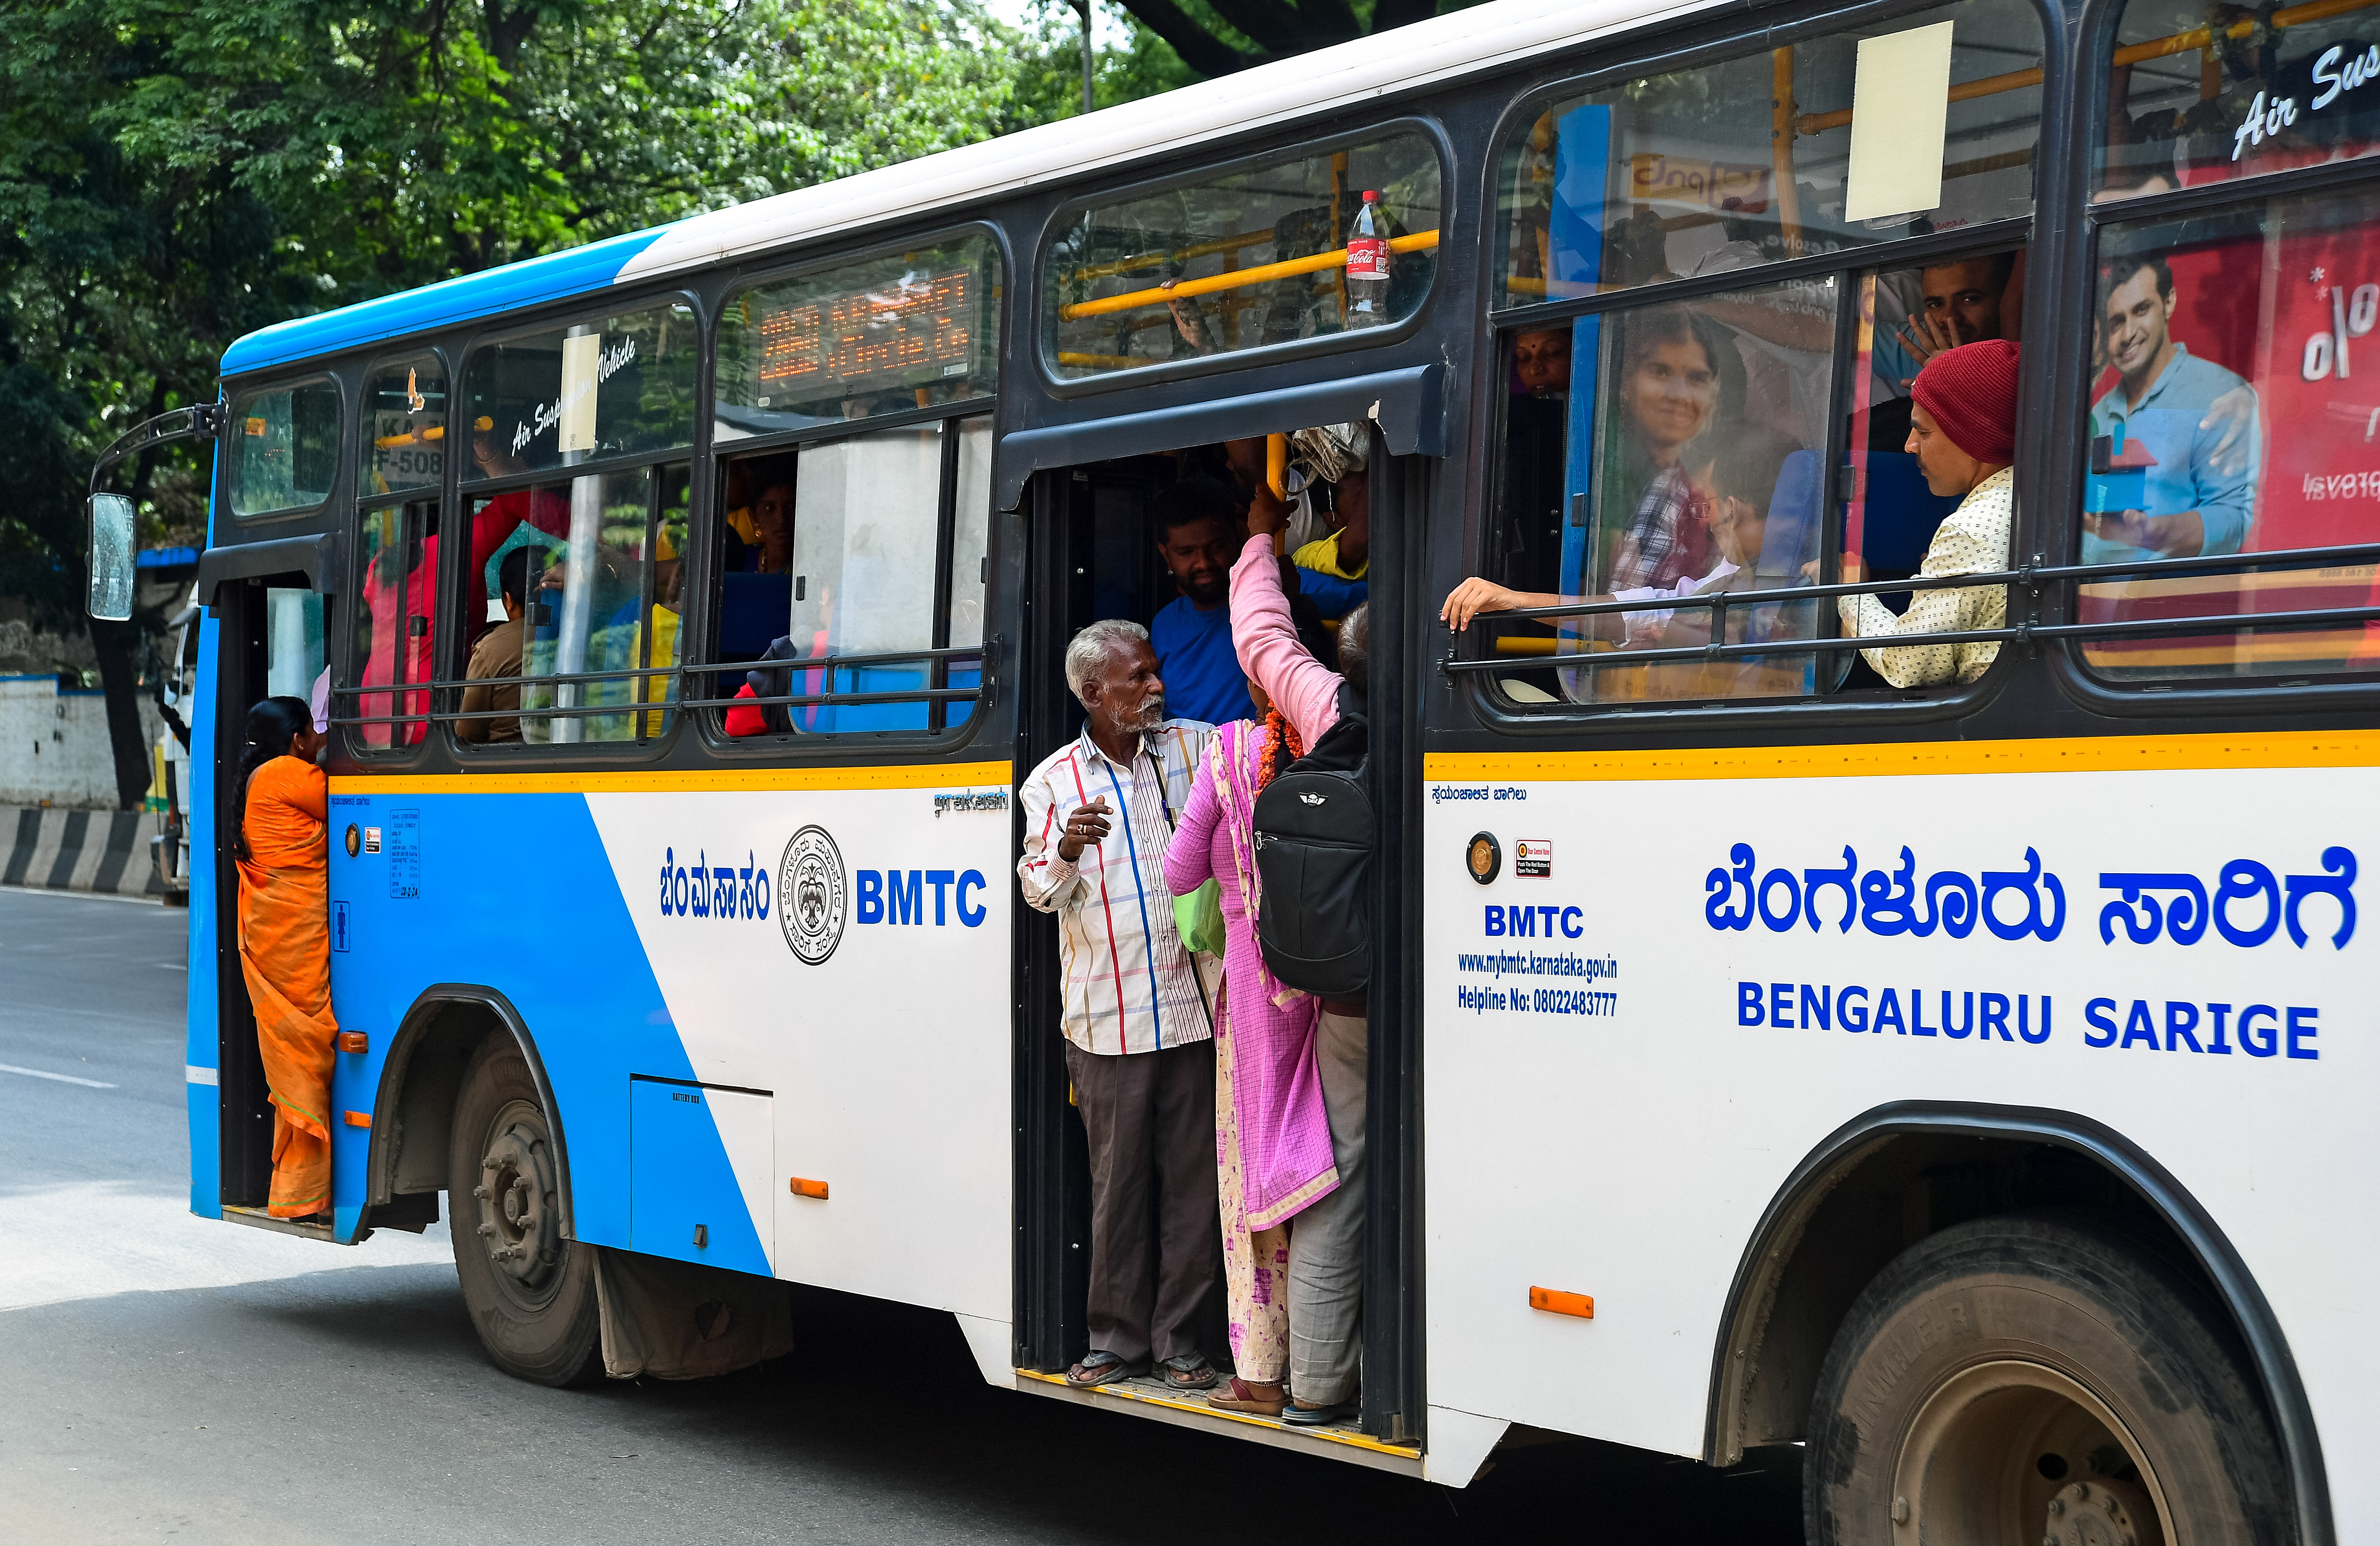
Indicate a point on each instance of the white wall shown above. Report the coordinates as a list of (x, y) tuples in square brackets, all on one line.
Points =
[(54, 745)]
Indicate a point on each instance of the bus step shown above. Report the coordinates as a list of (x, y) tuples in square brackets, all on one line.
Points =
[(257, 1218), (1149, 1398)]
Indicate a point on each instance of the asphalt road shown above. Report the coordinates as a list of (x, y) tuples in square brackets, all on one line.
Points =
[(165, 1378)]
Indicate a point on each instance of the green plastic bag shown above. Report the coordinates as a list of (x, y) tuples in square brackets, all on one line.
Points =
[(1199, 919)]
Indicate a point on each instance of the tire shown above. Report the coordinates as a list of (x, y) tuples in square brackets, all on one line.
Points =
[(2028, 1378), (531, 1293)]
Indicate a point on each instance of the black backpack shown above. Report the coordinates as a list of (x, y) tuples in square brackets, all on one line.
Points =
[(1314, 855)]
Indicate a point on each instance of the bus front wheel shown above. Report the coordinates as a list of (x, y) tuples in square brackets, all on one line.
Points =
[(531, 1293), (2023, 1378)]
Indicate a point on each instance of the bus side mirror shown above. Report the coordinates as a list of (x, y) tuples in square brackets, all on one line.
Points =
[(111, 557)]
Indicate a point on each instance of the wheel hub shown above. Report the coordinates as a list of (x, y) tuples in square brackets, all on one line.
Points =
[(517, 1200), (2014, 1450)]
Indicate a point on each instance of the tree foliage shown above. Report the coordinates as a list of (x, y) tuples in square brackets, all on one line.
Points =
[(176, 173)]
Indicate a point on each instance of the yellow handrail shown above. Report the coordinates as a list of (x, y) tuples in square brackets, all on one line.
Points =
[(1234, 279), (1176, 255)]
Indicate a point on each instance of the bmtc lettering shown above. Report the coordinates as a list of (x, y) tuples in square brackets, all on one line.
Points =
[(1521, 923), (899, 896)]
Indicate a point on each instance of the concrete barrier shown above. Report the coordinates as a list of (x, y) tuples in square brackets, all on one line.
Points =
[(79, 851)]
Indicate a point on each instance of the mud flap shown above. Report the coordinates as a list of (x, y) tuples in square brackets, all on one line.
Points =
[(683, 1320)]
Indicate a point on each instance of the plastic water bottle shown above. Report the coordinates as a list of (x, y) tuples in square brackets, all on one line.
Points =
[(1368, 258)]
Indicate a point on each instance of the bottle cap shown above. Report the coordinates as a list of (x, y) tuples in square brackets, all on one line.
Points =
[(1371, 196)]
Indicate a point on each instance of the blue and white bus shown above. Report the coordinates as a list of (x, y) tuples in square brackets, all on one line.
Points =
[(1956, 1078)]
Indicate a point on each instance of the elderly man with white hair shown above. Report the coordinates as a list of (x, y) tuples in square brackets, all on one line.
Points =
[(1098, 816)]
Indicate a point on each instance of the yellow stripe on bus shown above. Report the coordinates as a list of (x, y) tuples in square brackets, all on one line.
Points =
[(2049, 755), (924, 775)]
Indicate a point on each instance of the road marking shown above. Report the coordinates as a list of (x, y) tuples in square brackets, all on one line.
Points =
[(62, 1078), (193, 1074)]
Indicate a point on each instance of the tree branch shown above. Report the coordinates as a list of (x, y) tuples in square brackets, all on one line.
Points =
[(1199, 49), (1401, 13)]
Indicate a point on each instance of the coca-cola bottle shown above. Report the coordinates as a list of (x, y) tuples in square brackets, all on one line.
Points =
[(1367, 265)]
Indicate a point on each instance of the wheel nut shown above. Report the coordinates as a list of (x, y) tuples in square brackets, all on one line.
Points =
[(488, 1229), (1900, 1511), (2056, 1507)]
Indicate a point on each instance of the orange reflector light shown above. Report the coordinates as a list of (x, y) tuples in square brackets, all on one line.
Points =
[(360, 1118), (809, 1188), (1554, 1300), (354, 1041)]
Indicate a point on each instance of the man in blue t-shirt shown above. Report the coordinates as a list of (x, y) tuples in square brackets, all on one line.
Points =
[(2198, 419), (1197, 522)]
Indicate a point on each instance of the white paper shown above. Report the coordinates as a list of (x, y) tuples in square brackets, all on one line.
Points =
[(580, 356), (1900, 110)]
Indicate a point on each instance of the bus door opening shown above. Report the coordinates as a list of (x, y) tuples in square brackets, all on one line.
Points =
[(1150, 541), (273, 635)]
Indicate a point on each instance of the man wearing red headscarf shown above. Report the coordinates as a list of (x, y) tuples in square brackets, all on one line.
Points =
[(1962, 431)]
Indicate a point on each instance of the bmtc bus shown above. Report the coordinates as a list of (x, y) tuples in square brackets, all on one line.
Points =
[(1952, 1078)]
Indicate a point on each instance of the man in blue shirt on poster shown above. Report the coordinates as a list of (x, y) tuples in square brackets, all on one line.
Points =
[(1197, 522), (2198, 419)]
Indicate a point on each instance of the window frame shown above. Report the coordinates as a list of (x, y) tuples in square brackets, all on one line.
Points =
[(736, 283), (571, 312), (322, 374), (941, 729), (2032, 233), (1075, 204), (2078, 275)]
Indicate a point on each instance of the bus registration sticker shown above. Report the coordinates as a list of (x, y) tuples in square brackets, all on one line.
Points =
[(812, 895)]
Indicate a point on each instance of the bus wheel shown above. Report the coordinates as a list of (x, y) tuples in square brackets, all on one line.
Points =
[(531, 1293), (2023, 1378)]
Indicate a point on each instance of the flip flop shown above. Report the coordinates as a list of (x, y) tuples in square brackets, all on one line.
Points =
[(1103, 1368), (1187, 1371), (1314, 1416), (1242, 1398)]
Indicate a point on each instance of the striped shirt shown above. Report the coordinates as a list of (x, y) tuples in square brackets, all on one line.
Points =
[(1129, 986)]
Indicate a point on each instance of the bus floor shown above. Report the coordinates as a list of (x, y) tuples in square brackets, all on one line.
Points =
[(1150, 1397)]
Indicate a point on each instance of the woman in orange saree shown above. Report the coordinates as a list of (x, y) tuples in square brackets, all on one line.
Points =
[(284, 943)]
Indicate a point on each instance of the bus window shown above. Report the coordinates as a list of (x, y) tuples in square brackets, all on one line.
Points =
[(397, 623), (293, 647), (847, 538), (604, 573), (2211, 332), (1661, 452), (886, 336), (1248, 260), (404, 441), (1671, 176), (2260, 91), (609, 386), (285, 448)]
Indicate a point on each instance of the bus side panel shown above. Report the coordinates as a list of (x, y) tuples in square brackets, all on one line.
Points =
[(876, 1029), (849, 954), (511, 892), (203, 1020), (1623, 1062)]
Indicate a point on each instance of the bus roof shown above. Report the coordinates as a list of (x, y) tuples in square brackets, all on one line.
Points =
[(1499, 33)]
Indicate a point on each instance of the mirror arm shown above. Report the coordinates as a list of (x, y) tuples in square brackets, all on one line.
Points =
[(201, 420)]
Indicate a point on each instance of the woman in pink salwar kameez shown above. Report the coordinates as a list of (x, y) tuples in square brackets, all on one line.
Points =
[(1272, 1136)]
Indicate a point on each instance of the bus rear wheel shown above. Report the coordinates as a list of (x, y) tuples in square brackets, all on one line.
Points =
[(2023, 1379), (531, 1293)]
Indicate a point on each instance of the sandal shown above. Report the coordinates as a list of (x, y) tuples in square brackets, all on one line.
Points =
[(1103, 1368), (1187, 1371), (1242, 1397)]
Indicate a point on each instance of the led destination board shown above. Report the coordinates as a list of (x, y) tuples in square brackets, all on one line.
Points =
[(901, 334)]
